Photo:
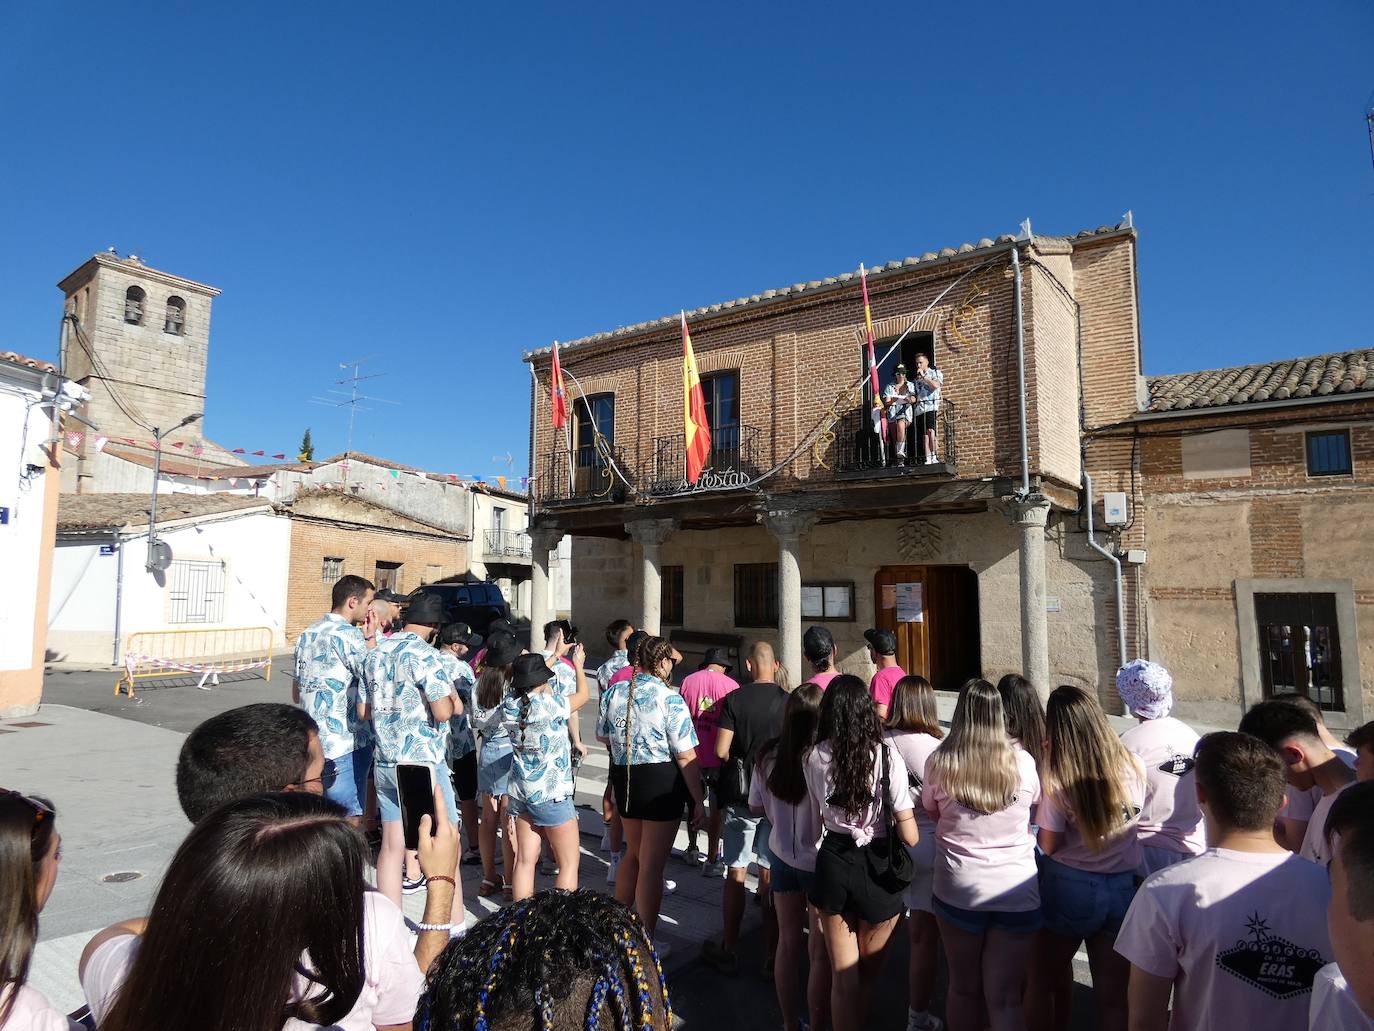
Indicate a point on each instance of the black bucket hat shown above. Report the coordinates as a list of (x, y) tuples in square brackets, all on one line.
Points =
[(502, 649), (716, 657), (425, 610), (529, 671)]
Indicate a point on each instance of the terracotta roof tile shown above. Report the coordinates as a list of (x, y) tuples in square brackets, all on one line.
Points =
[(32, 363), (113, 511), (1340, 372)]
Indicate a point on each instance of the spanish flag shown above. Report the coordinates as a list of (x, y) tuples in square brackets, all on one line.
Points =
[(695, 424), (558, 396)]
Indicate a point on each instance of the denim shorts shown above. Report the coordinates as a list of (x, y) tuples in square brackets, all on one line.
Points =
[(493, 771), (787, 878), (744, 835), (388, 798), (542, 814), (980, 921), (1080, 904), (351, 771)]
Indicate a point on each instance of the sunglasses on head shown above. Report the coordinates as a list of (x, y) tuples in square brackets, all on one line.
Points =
[(327, 776)]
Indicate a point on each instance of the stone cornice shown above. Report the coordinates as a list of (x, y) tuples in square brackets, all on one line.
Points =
[(109, 261)]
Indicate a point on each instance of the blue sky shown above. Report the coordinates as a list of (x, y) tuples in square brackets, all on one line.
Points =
[(440, 186)]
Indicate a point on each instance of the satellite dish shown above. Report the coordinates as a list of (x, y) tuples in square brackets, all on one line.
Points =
[(159, 555)]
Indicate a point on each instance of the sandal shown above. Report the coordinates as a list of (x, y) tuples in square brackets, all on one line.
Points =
[(490, 887), (508, 893)]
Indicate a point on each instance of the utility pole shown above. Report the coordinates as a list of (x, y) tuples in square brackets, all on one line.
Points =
[(351, 399), (155, 562)]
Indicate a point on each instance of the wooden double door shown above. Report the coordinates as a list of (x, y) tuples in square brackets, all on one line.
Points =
[(933, 610)]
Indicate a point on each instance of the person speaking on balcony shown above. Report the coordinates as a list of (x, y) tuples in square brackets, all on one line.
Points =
[(898, 397), (928, 383)]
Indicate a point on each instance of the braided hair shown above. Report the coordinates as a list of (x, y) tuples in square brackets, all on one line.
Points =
[(558, 961)]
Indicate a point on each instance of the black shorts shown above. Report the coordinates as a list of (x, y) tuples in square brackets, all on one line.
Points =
[(656, 791), (844, 885), (465, 777), (922, 422)]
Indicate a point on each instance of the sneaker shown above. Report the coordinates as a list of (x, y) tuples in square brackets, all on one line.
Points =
[(669, 886), (716, 869), (694, 856), (714, 955), (411, 887), (933, 1023), (932, 459), (548, 868), (472, 857), (611, 869)]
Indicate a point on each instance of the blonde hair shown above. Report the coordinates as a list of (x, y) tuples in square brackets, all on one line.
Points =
[(976, 763), (1086, 767)]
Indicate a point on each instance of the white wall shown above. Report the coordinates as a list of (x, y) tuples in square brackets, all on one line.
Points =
[(255, 549), (21, 538)]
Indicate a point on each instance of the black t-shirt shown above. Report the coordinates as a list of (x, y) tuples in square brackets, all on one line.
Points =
[(754, 715)]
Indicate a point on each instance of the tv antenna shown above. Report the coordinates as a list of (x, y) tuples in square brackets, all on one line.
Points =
[(353, 400)]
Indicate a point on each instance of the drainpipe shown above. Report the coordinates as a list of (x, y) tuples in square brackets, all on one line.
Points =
[(1116, 565), (119, 597), (1021, 369)]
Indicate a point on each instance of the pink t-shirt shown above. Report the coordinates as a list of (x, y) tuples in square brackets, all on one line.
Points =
[(1241, 934), (883, 682), (868, 824), (1334, 1006), (796, 835), (621, 675), (1120, 854), (392, 981), (1170, 818), (822, 680), (985, 860), (1314, 844), (703, 691), (32, 1012)]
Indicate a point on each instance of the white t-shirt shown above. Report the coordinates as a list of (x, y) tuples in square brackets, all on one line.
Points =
[(868, 824), (985, 860), (915, 749), (1120, 854), (796, 834), (32, 1012), (1334, 1007), (1241, 934), (1171, 818), (1314, 845), (392, 981)]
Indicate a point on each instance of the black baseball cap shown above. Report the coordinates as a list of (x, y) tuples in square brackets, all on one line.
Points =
[(716, 657), (425, 610), (884, 642), (900, 368), (458, 633), (386, 594), (817, 643)]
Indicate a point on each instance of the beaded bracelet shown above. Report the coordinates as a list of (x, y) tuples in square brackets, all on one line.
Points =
[(440, 877), (435, 927)]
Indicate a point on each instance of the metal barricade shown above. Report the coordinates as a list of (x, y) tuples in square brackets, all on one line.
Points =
[(209, 652)]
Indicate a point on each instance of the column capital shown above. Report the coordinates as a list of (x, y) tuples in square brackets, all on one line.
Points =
[(650, 532), (788, 524), (550, 534), (1030, 511)]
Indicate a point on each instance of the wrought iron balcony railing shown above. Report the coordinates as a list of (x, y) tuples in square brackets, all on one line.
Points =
[(507, 544), (858, 451), (583, 476), (732, 462)]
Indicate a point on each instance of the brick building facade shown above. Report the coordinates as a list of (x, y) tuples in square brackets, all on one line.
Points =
[(982, 562)]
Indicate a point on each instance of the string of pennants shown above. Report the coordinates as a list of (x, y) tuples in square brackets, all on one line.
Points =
[(74, 441)]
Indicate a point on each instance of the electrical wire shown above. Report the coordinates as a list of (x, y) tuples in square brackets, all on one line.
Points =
[(100, 370)]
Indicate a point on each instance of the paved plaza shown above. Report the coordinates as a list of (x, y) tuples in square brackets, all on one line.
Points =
[(108, 764)]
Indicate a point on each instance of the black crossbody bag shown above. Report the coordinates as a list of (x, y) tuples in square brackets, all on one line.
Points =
[(888, 860)]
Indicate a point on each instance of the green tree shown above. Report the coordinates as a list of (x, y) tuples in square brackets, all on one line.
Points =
[(307, 452)]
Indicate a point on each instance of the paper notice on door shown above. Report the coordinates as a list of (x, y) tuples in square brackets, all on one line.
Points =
[(909, 603), (889, 597)]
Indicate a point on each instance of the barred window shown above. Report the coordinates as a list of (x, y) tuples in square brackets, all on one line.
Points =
[(671, 596), (197, 591), (333, 569), (756, 594)]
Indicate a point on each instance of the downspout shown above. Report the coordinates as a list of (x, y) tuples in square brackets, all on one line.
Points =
[(1116, 566), (119, 596), (1021, 367)]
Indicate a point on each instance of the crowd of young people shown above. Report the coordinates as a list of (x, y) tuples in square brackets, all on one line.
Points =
[(1194, 870)]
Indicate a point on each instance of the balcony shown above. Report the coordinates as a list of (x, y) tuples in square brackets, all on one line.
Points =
[(506, 545), (732, 463), (582, 477), (858, 453)]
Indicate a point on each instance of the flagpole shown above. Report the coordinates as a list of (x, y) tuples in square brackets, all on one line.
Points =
[(534, 443), (873, 370), (567, 433), (685, 411)]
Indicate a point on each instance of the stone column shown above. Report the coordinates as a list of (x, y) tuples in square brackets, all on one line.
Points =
[(789, 528), (542, 541), (1029, 516), (649, 534)]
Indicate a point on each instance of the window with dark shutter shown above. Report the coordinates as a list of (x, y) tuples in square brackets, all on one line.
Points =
[(1328, 453), (756, 594), (670, 608)]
